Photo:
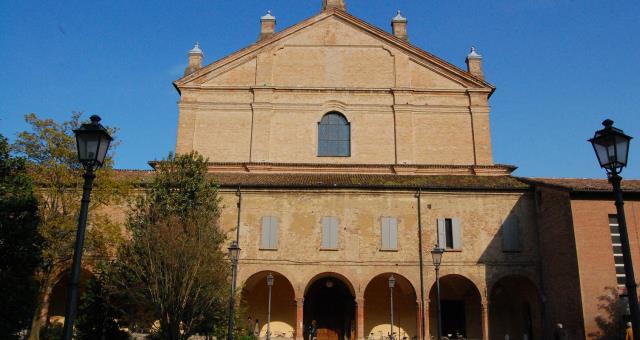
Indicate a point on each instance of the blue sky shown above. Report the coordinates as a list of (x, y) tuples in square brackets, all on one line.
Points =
[(560, 67)]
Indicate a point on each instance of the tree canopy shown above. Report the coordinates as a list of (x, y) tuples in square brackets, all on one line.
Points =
[(20, 244), (49, 150), (174, 267)]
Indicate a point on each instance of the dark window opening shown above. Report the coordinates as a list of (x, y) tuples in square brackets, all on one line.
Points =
[(448, 227)]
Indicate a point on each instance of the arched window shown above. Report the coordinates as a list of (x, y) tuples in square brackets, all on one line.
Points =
[(334, 136)]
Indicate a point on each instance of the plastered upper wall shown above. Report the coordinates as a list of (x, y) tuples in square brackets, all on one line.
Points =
[(265, 106)]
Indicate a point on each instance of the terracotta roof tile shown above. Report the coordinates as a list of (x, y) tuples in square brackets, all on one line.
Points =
[(314, 180), (585, 184)]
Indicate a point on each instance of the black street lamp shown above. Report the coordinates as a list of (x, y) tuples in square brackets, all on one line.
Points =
[(269, 285), (92, 141), (612, 149), (234, 251), (392, 283), (436, 254)]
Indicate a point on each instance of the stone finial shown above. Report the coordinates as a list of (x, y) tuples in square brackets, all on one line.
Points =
[(267, 25), (399, 26), (339, 4), (399, 18), (474, 63), (195, 59)]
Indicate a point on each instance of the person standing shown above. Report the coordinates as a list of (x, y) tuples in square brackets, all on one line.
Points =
[(629, 335), (313, 330)]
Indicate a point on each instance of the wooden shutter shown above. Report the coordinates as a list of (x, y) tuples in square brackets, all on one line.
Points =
[(384, 232), (511, 234), (326, 233), (442, 234), (457, 233), (389, 233), (334, 233), (273, 233), (393, 233), (266, 228)]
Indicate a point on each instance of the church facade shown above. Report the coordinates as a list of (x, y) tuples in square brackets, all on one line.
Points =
[(345, 154)]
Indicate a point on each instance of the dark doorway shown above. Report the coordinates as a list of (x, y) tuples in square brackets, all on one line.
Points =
[(330, 302), (453, 317)]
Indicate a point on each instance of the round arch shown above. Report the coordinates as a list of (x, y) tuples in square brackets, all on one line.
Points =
[(377, 307), (57, 299), (515, 308), (255, 301), (461, 305), (329, 305), (339, 276)]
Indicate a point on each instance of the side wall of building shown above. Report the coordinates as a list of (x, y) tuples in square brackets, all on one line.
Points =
[(559, 262), (595, 255)]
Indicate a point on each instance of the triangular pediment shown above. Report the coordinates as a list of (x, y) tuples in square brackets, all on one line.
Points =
[(337, 50)]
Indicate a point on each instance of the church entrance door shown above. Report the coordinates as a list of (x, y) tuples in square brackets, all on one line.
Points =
[(330, 303)]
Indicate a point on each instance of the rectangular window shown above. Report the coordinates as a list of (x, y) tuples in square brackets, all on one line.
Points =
[(449, 233), (389, 233), (511, 234), (616, 245), (269, 233), (329, 233)]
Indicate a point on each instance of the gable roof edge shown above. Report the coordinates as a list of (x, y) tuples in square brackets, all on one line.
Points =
[(388, 37)]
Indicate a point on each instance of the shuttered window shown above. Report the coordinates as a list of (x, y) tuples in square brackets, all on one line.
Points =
[(389, 233), (269, 233), (329, 232), (449, 233), (334, 136), (511, 234)]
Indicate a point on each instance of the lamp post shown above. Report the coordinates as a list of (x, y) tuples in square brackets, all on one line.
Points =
[(392, 283), (611, 146), (436, 254), (92, 141), (234, 251), (269, 285)]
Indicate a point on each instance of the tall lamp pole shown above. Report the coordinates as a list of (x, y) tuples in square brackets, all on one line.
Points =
[(269, 285), (234, 251), (92, 142), (392, 283), (612, 149), (436, 254)]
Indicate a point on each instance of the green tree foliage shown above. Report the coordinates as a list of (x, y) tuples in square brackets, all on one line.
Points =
[(50, 150), (19, 244), (174, 267), (97, 317)]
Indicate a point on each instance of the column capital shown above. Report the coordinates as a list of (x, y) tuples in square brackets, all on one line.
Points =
[(299, 301)]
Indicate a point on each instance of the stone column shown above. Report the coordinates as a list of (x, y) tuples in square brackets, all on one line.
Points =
[(360, 318), (419, 320), (485, 320), (299, 318), (427, 332)]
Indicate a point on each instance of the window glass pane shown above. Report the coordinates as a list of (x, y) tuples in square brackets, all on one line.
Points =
[(617, 249), (615, 239), (620, 270), (333, 135), (618, 259), (614, 229), (622, 280), (613, 219)]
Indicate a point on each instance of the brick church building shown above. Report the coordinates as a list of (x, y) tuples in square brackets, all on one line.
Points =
[(345, 153)]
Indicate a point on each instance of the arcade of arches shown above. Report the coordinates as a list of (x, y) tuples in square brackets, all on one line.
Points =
[(340, 313)]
